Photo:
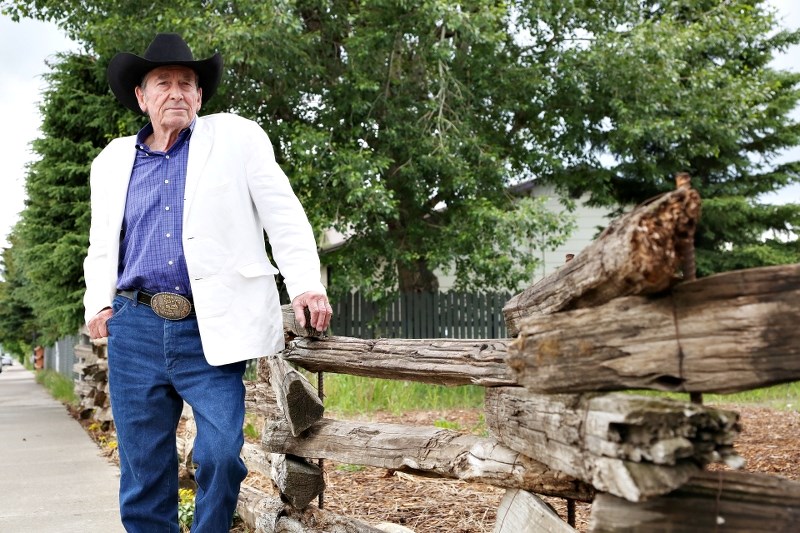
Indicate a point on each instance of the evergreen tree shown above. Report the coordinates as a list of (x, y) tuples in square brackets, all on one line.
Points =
[(688, 87), (17, 322), (51, 237)]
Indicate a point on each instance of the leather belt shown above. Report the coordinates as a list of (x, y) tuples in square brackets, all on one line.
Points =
[(167, 305)]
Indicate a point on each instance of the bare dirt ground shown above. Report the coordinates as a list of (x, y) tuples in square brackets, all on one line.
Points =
[(769, 443)]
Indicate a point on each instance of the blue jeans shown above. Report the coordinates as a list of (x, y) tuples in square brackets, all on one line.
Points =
[(154, 365)]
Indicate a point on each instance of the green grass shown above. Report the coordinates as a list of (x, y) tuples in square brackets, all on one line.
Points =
[(350, 468), (350, 395), (783, 396), (60, 387), (359, 395)]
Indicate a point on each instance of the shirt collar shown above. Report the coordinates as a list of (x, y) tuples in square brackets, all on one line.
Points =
[(145, 132)]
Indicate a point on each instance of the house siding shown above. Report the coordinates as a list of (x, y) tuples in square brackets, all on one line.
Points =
[(589, 221)]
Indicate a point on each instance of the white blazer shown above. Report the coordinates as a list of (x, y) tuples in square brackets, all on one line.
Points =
[(234, 191)]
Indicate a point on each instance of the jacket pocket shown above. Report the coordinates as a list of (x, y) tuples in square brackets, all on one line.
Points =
[(254, 270)]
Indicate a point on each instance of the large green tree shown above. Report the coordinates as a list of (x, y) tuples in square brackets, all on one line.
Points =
[(401, 123), (383, 116), (686, 86)]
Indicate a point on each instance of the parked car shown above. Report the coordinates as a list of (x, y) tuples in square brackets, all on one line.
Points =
[(7, 360)]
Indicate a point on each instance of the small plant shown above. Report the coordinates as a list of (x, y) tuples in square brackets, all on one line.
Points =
[(250, 431), (447, 424), (350, 468), (251, 424), (185, 509)]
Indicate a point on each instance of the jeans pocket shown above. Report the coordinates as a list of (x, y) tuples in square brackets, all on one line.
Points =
[(119, 306)]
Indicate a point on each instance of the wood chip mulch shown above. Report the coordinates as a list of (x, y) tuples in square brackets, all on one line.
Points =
[(769, 443)]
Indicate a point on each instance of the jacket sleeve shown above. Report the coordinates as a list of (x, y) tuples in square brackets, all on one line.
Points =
[(282, 216), (98, 270)]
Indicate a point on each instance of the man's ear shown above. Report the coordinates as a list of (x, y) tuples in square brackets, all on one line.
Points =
[(140, 97)]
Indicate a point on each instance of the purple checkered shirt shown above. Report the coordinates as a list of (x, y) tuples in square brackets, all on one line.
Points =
[(150, 253)]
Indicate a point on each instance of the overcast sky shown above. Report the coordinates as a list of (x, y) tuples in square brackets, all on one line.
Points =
[(26, 46)]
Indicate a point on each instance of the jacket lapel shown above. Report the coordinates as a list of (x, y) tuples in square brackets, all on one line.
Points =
[(120, 177), (199, 149)]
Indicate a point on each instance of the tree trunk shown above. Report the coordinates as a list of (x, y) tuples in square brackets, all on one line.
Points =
[(417, 277)]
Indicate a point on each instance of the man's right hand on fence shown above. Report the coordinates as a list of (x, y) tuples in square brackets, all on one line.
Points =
[(97, 325)]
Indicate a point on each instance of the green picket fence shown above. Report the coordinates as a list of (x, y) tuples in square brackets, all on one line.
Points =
[(452, 314)]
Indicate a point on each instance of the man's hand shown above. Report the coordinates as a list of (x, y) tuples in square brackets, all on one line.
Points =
[(97, 325), (318, 306)]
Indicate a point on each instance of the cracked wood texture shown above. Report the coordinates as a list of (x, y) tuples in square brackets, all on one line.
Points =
[(735, 502), (638, 253), (523, 512), (725, 333), (259, 397), (270, 515), (296, 397), (298, 481), (633, 447), (437, 361), (423, 450)]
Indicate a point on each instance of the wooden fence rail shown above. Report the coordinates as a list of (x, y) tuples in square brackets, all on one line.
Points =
[(574, 334)]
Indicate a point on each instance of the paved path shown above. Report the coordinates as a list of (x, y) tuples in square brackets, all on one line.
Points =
[(52, 476)]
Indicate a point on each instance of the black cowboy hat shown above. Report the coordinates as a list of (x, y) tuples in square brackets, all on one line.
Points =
[(126, 71)]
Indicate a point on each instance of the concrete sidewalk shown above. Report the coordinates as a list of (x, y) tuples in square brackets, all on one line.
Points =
[(52, 476)]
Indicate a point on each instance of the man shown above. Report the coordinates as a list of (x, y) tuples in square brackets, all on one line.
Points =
[(178, 279)]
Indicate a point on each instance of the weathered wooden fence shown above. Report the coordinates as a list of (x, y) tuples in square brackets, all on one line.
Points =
[(622, 314)]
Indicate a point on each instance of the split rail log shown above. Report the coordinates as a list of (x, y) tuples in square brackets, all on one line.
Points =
[(259, 398), (520, 509), (296, 397), (292, 328), (725, 333), (633, 447), (298, 481), (437, 361), (257, 459), (638, 253), (711, 501), (270, 515), (426, 451)]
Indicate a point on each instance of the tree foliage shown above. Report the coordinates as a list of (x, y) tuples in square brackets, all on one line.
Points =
[(402, 123), (50, 239), (703, 100)]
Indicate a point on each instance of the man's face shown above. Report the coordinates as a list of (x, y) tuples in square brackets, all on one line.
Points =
[(170, 96)]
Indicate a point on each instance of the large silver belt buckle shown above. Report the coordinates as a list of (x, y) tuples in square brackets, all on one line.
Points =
[(170, 306)]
